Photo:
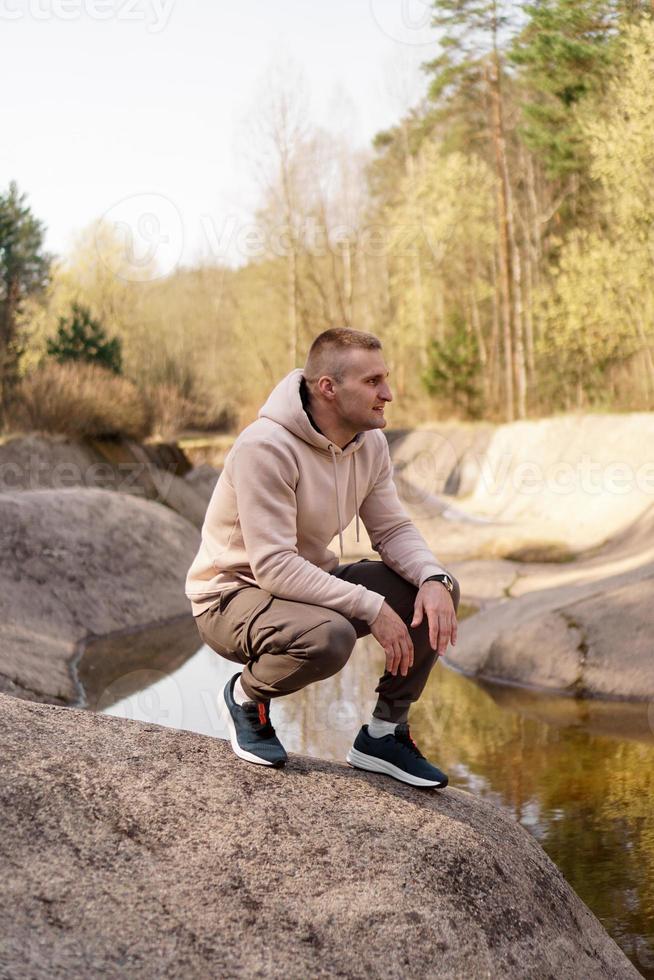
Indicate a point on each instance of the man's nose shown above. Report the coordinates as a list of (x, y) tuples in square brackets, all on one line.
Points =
[(385, 393)]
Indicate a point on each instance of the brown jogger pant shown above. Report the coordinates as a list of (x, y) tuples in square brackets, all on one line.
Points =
[(285, 645)]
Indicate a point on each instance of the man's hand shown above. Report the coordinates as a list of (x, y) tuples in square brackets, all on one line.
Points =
[(389, 630), (434, 601)]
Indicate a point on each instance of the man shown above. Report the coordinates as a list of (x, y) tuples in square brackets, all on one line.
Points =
[(267, 592)]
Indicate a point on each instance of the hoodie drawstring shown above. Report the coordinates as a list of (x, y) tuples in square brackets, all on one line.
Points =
[(338, 502), (356, 499)]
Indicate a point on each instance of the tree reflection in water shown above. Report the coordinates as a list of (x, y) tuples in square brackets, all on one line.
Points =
[(579, 775)]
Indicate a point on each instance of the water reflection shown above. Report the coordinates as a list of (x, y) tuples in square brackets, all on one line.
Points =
[(578, 775)]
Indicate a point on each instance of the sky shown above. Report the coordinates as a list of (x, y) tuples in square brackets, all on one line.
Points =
[(141, 110)]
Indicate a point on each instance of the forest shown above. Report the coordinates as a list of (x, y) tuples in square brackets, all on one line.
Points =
[(498, 238)]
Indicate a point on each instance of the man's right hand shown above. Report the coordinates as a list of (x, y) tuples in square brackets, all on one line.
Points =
[(389, 630)]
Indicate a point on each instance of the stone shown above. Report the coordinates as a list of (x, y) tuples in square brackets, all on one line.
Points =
[(160, 473), (132, 850), (91, 586)]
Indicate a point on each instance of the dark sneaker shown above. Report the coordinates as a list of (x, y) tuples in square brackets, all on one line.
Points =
[(250, 732), (396, 755)]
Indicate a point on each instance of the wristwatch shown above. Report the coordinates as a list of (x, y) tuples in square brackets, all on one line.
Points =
[(443, 579)]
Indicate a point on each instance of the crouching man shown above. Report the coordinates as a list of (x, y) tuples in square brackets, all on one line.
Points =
[(268, 594)]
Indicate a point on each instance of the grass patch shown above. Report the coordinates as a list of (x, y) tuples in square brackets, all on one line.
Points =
[(536, 552), (466, 610)]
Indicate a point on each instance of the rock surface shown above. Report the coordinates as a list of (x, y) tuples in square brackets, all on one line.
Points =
[(584, 629), (131, 850), (91, 586), (159, 473), (540, 489), (203, 479)]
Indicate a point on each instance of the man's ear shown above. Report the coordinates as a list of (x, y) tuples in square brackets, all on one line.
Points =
[(326, 386)]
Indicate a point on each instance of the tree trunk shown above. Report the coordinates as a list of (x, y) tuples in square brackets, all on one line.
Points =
[(416, 271), (347, 283), (504, 242), (494, 380), (518, 335), (366, 304), (647, 354), (292, 306), (476, 325), (533, 239)]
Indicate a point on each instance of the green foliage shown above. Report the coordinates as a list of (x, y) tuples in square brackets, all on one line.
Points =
[(599, 311), (472, 34), (621, 139), (440, 232), (469, 31), (24, 269), (23, 263), (453, 374), (565, 52), (81, 338)]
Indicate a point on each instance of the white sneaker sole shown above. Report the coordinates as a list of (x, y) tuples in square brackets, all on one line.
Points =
[(241, 753), (369, 762)]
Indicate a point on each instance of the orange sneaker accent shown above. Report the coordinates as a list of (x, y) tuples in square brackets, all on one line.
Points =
[(262, 713)]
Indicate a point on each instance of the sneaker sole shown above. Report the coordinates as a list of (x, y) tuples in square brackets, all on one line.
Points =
[(371, 764), (243, 753)]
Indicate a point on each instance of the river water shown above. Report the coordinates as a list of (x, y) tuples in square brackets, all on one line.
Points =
[(579, 775)]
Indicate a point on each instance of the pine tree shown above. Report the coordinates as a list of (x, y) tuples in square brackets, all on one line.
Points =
[(475, 34), (565, 53), (454, 370), (81, 338), (24, 271)]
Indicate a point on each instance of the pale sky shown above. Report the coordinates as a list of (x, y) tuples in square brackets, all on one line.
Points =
[(132, 107)]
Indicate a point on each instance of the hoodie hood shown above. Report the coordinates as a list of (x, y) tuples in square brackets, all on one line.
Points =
[(284, 406)]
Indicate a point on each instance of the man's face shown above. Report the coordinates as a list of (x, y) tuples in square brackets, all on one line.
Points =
[(362, 396)]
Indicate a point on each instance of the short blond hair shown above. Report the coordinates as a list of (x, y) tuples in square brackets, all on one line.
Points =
[(328, 352)]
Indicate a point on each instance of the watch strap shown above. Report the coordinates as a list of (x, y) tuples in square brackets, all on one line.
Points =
[(444, 579)]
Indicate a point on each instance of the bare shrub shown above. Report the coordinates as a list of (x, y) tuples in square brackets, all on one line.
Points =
[(169, 410), (80, 400), (173, 413), (207, 418)]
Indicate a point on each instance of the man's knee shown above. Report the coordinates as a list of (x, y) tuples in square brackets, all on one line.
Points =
[(332, 643)]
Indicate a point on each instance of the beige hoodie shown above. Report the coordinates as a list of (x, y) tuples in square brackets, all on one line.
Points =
[(284, 493)]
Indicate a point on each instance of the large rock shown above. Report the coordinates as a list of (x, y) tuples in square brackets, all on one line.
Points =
[(91, 587), (440, 458), (138, 851), (157, 472), (581, 632), (203, 479), (536, 490)]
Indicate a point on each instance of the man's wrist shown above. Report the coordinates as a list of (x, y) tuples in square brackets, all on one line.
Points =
[(444, 579)]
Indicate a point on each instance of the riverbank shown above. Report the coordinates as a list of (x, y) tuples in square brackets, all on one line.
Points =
[(548, 525)]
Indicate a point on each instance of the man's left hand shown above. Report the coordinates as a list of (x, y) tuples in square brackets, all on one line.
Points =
[(435, 602)]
